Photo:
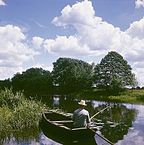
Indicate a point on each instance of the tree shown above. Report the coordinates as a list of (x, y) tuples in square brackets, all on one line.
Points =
[(72, 75), (5, 84), (113, 72), (34, 81)]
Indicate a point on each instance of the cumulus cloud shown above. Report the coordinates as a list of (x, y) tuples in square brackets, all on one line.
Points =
[(66, 46), (92, 31), (136, 29), (2, 3), (97, 34), (48, 67), (37, 42), (77, 14), (7, 72), (14, 50), (94, 36), (139, 3)]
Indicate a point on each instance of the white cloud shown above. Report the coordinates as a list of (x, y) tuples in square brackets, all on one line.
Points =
[(66, 46), (89, 28), (99, 35), (14, 50), (48, 67), (2, 3), (136, 29), (139, 72), (95, 36), (8, 72), (91, 31), (37, 42), (77, 14), (139, 3)]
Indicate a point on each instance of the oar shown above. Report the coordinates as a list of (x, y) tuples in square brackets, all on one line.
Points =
[(105, 139), (99, 112)]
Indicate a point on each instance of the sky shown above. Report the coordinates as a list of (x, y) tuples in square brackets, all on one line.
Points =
[(35, 33)]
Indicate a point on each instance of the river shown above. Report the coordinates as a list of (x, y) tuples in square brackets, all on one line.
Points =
[(123, 124)]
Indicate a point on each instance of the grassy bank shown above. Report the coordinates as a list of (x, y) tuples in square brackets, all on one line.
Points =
[(128, 96), (17, 112)]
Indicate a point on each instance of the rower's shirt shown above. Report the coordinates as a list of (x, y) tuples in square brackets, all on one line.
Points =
[(81, 117)]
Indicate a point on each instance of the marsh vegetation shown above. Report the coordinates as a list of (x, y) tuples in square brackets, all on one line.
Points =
[(17, 113)]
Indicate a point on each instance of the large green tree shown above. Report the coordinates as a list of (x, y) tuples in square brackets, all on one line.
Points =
[(113, 72), (34, 81), (72, 75), (5, 84)]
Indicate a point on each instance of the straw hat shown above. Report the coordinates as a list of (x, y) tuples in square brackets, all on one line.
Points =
[(82, 102)]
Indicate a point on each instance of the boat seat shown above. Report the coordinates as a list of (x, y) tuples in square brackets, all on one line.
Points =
[(63, 121)]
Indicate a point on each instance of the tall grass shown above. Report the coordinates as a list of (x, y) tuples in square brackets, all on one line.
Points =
[(27, 114), (5, 119), (9, 99), (17, 112)]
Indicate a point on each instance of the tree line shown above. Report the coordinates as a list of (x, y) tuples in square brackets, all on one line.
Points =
[(73, 75)]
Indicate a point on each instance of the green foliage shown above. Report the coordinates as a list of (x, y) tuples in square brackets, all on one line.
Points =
[(5, 118), (5, 83), (17, 112), (27, 114), (34, 81), (72, 75), (9, 99), (113, 72), (131, 96)]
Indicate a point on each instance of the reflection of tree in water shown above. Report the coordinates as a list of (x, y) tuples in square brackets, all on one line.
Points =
[(67, 104), (117, 121)]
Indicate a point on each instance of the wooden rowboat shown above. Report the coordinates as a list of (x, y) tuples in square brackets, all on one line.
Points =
[(60, 127)]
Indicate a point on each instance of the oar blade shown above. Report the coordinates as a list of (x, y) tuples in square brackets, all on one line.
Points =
[(99, 140)]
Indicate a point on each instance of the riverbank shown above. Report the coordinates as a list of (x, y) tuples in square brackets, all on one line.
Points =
[(129, 96), (134, 96)]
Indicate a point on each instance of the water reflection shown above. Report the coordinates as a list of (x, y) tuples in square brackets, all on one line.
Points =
[(116, 120), (56, 102), (18, 137), (135, 135), (122, 124), (122, 119), (44, 140), (41, 140)]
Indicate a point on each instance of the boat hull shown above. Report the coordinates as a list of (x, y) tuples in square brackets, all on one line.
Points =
[(64, 132)]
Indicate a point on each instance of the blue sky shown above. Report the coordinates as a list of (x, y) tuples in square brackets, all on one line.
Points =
[(35, 33)]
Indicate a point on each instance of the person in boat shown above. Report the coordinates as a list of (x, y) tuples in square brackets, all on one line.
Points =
[(81, 116)]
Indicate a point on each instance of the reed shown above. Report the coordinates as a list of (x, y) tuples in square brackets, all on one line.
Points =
[(17, 112), (27, 114), (9, 99), (5, 119)]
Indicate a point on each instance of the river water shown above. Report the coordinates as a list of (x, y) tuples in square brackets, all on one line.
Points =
[(122, 124)]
